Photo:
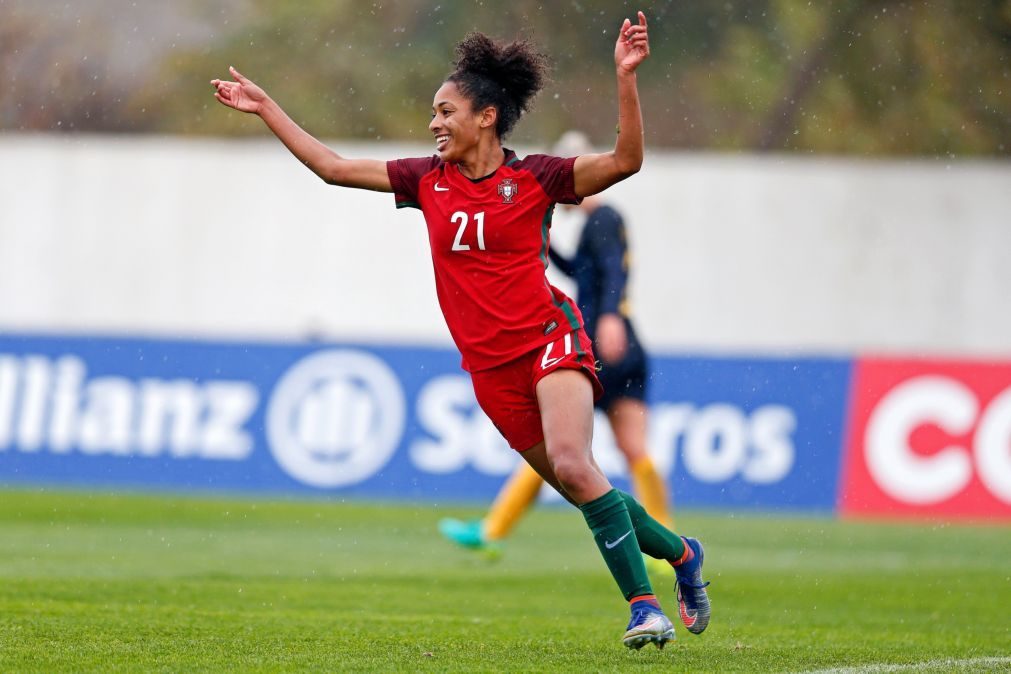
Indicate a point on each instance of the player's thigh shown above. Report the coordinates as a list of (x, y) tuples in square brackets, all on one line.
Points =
[(565, 400), (628, 423)]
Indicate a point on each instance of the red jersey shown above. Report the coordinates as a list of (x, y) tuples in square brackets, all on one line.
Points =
[(489, 240)]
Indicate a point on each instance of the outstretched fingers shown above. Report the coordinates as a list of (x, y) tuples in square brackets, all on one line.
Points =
[(223, 91), (636, 36)]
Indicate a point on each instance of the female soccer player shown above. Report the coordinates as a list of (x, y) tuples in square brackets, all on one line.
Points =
[(488, 213), (600, 268)]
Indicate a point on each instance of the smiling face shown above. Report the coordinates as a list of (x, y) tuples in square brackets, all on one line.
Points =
[(456, 126)]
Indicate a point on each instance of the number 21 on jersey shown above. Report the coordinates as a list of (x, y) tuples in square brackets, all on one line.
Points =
[(463, 219)]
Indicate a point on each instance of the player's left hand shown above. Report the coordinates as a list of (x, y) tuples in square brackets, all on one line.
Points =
[(612, 341), (632, 47)]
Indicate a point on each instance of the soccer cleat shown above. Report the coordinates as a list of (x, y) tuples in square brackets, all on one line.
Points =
[(469, 535), (648, 625), (693, 602)]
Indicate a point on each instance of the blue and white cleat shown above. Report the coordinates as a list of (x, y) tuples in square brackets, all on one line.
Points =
[(469, 535), (693, 602), (648, 625)]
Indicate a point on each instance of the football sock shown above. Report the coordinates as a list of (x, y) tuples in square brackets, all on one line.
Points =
[(512, 501), (655, 539), (688, 556), (607, 517), (650, 490), (647, 598)]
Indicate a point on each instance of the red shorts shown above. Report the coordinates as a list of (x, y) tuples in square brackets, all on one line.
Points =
[(507, 392)]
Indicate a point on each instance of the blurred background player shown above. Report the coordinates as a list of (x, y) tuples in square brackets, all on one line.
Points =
[(600, 269)]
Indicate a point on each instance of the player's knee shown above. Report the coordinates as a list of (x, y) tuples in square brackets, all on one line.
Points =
[(573, 471)]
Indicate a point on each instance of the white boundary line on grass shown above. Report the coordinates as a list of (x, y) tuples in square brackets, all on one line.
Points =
[(947, 664)]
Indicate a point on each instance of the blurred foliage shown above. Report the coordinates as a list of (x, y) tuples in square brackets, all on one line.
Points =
[(865, 77)]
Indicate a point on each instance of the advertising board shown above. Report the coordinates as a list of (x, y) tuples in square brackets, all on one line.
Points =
[(387, 422)]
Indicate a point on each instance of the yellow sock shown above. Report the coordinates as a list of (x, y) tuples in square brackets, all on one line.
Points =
[(650, 490), (512, 501)]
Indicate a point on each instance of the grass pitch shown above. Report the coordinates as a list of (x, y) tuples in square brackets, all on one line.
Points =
[(158, 583)]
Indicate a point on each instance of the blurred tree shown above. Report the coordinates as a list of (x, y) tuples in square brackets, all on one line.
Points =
[(928, 77), (865, 77), (54, 78)]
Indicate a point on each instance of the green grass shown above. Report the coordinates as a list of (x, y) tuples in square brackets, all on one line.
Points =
[(158, 583)]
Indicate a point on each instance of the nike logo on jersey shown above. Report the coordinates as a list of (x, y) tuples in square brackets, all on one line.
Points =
[(440, 189), (610, 545)]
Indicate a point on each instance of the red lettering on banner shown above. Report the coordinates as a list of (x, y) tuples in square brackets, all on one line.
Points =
[(930, 439)]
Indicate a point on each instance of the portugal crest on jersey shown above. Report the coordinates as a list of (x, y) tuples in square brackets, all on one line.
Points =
[(508, 189)]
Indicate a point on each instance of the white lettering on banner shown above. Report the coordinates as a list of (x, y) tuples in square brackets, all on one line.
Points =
[(54, 406), (336, 418), (63, 427), (771, 432), (993, 447), (8, 390), (898, 470), (462, 436), (107, 417), (36, 384), (228, 407), (953, 407), (722, 441), (715, 445)]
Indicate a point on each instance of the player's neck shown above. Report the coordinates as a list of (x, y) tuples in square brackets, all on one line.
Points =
[(483, 160)]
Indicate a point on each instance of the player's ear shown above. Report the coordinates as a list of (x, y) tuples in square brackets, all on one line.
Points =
[(489, 117)]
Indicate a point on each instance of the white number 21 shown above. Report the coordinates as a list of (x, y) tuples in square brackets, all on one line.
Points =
[(463, 219)]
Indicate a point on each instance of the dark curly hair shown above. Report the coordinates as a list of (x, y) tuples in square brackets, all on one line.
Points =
[(504, 75)]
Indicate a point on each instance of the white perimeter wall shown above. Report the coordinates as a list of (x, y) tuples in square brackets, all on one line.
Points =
[(224, 239)]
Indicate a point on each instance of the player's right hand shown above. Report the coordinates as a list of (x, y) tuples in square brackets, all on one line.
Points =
[(242, 94)]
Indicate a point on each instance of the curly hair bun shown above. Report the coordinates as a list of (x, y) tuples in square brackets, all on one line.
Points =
[(504, 75)]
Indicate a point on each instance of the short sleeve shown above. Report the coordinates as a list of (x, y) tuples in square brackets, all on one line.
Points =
[(555, 177), (405, 174)]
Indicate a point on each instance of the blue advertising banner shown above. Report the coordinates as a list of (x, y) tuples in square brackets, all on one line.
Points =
[(746, 432), (386, 422)]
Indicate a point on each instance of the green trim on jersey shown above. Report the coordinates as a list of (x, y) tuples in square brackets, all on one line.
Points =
[(564, 306), (545, 224), (579, 345), (512, 161), (408, 204), (567, 310)]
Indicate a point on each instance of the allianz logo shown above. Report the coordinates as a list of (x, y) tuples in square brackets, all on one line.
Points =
[(334, 418), (52, 405)]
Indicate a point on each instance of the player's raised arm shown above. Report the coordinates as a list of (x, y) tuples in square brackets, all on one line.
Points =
[(245, 96), (596, 172)]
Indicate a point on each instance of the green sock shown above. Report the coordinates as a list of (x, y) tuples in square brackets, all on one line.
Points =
[(655, 539), (614, 534)]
